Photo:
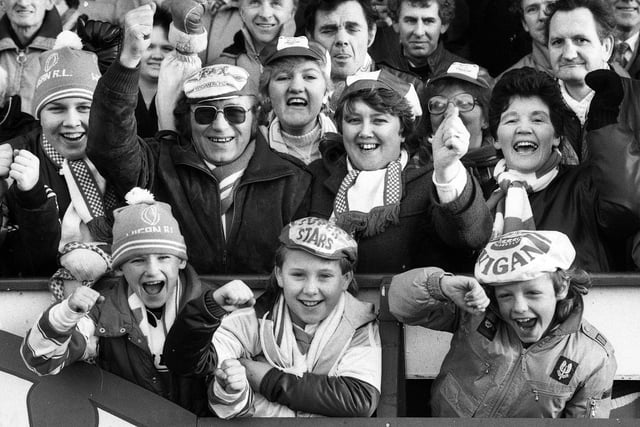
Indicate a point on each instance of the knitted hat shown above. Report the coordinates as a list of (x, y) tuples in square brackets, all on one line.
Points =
[(523, 255), (384, 79), (220, 81), (321, 238), (145, 227), (294, 46), (65, 72), (471, 73)]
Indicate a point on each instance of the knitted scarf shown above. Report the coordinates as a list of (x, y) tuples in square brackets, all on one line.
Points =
[(511, 200), (368, 201), (228, 177), (157, 334), (85, 219), (279, 344)]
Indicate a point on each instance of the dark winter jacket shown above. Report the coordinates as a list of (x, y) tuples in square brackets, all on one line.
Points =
[(272, 191), (429, 233)]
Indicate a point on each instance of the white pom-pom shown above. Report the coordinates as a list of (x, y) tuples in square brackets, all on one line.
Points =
[(139, 195), (68, 39)]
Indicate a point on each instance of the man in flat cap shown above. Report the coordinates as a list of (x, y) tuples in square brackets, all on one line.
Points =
[(230, 193)]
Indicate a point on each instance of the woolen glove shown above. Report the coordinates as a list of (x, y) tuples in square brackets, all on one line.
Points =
[(605, 105), (101, 38), (187, 15)]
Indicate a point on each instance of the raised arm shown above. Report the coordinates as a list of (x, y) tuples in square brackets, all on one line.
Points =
[(113, 145)]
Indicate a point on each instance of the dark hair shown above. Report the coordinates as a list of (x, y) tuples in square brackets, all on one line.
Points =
[(446, 8), (330, 5), (162, 18), (527, 82), (601, 10), (345, 267), (483, 95), (380, 99)]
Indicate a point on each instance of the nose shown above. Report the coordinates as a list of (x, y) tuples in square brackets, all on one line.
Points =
[(72, 118), (520, 304), (265, 10), (296, 84), (365, 129), (152, 267), (569, 50), (310, 286), (341, 36), (420, 28), (219, 122)]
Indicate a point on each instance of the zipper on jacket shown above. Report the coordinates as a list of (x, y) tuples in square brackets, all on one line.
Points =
[(592, 408), (21, 58), (536, 395), (507, 382)]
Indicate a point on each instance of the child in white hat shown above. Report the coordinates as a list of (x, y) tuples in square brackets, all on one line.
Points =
[(307, 347), (522, 351), (122, 322)]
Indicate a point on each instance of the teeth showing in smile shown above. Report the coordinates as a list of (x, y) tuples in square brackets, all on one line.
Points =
[(298, 102), (220, 140), (526, 323), (75, 136), (153, 288), (525, 146), (310, 303), (367, 147)]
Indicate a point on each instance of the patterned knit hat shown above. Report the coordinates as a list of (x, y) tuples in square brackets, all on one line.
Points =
[(65, 72), (321, 238), (145, 227), (523, 255)]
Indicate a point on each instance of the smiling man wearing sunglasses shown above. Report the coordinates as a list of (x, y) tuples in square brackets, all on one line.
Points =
[(229, 192)]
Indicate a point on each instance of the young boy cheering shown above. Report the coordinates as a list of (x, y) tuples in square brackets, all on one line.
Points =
[(308, 346), (530, 353), (122, 322)]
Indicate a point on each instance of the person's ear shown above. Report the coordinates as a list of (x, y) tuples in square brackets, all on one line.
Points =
[(496, 144), (607, 47), (444, 28), (279, 278), (347, 278), (372, 35), (564, 289), (183, 264)]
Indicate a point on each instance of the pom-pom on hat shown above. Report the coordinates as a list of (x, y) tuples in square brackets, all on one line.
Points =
[(523, 255), (321, 238), (220, 81), (384, 79), (294, 46), (65, 72), (471, 73), (145, 227)]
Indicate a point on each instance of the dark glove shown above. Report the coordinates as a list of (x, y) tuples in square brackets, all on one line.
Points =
[(101, 38), (605, 105)]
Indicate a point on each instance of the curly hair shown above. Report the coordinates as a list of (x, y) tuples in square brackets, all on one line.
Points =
[(380, 99), (602, 12), (446, 8), (527, 82)]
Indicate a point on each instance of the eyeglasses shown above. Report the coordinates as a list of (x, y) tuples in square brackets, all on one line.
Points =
[(206, 114), (464, 101)]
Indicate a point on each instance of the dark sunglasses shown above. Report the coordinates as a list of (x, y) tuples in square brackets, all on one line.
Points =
[(206, 114), (464, 101)]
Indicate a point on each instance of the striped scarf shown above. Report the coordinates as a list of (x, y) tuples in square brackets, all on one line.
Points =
[(85, 218), (368, 201), (510, 200), (279, 344), (228, 177)]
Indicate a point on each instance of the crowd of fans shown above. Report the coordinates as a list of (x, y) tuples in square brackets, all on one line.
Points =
[(150, 142)]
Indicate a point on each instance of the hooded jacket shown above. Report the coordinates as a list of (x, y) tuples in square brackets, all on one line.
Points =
[(487, 372)]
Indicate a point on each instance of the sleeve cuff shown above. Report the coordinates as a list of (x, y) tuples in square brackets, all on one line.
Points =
[(213, 307), (187, 43), (450, 191), (62, 318), (34, 198), (433, 285)]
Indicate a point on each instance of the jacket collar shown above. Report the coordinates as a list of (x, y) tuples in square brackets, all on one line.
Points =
[(44, 38), (264, 164)]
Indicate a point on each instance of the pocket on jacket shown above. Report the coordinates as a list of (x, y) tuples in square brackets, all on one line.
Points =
[(451, 400), (541, 399)]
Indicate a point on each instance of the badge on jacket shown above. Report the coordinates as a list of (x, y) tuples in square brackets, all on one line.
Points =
[(564, 370), (487, 328)]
